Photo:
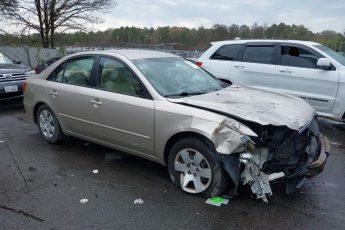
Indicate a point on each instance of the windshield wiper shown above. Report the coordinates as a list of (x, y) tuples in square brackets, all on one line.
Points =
[(185, 94)]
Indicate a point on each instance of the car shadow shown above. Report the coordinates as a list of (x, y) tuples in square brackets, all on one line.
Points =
[(11, 104)]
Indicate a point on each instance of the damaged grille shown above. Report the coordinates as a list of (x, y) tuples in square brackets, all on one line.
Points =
[(290, 151), (280, 155)]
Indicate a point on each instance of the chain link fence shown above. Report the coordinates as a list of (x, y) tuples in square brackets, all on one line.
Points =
[(30, 56), (336, 46)]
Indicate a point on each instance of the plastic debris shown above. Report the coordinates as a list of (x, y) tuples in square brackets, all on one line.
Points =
[(2, 141), (217, 201), (138, 201), (95, 171), (84, 200)]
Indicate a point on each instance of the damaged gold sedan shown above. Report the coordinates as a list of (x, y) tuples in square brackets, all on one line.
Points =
[(212, 136)]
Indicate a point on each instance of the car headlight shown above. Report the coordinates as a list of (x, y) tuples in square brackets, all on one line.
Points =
[(31, 72)]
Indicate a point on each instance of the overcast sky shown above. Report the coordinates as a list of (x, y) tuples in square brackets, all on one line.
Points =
[(317, 15)]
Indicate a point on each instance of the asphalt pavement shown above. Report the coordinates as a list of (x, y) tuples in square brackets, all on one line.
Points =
[(44, 186)]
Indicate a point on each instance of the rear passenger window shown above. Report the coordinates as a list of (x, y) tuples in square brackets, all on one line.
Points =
[(76, 71), (297, 57), (227, 52), (258, 54)]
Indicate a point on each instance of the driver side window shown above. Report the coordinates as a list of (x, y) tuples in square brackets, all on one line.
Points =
[(298, 57), (116, 77)]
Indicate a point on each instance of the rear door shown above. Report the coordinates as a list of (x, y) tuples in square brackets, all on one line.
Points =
[(68, 88), (256, 66), (221, 61), (298, 75)]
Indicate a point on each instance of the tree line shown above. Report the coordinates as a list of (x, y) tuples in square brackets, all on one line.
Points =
[(182, 37), (51, 23)]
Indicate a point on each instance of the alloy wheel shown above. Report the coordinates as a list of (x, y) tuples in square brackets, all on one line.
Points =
[(47, 124), (195, 171)]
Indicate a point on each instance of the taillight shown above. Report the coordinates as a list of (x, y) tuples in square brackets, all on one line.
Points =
[(24, 86), (198, 63)]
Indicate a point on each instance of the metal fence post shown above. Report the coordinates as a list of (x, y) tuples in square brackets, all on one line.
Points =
[(340, 50), (28, 54)]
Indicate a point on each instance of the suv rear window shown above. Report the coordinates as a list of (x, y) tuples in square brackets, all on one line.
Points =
[(258, 54), (227, 52)]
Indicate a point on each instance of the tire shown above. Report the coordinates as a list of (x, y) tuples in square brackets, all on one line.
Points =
[(194, 168), (48, 125)]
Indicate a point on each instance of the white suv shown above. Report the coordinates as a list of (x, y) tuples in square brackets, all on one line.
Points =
[(305, 69)]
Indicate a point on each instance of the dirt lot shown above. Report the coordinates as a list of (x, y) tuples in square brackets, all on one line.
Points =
[(41, 186)]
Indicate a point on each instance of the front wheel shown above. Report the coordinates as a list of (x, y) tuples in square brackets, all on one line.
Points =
[(48, 125), (194, 168)]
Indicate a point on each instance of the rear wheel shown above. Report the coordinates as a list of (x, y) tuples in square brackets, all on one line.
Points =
[(194, 168), (48, 125)]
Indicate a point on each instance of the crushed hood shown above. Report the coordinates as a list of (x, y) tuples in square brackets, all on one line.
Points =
[(263, 107)]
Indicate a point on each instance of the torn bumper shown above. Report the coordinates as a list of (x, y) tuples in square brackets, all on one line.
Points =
[(248, 169), (317, 166)]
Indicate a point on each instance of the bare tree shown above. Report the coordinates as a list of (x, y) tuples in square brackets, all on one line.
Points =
[(7, 3), (48, 17)]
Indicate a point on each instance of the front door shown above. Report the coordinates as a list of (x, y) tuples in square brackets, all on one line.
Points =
[(122, 110), (298, 75)]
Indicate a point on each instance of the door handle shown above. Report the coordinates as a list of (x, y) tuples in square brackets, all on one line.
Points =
[(285, 71), (95, 102), (53, 93), (239, 66)]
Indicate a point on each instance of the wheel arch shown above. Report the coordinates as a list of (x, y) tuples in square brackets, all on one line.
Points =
[(38, 105), (178, 136), (35, 109)]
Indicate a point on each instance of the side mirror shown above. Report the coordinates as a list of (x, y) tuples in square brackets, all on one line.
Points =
[(324, 63), (17, 61)]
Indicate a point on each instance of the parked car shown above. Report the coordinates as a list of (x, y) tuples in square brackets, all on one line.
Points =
[(308, 70), (12, 76), (40, 67), (166, 109)]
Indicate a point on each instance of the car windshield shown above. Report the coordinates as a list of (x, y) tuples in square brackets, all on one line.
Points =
[(4, 59), (176, 77), (338, 57)]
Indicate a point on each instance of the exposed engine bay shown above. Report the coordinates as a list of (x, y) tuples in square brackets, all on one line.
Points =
[(276, 155), (260, 144)]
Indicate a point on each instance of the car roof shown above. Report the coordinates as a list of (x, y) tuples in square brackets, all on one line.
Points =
[(131, 53), (240, 41)]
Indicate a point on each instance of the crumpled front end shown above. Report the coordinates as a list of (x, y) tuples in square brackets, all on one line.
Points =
[(277, 154)]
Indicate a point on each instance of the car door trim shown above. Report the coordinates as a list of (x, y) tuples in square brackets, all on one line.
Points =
[(105, 126), (113, 145), (312, 98)]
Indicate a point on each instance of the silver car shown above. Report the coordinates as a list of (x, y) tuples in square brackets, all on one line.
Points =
[(212, 136)]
